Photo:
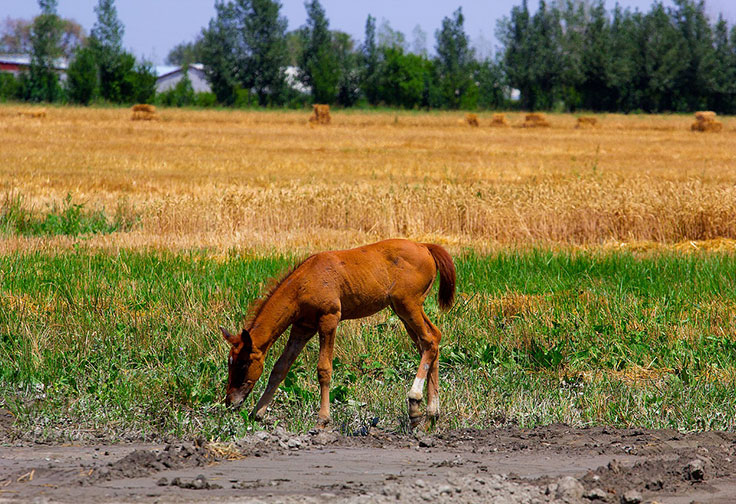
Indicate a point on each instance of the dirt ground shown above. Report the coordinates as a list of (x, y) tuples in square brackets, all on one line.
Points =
[(555, 463)]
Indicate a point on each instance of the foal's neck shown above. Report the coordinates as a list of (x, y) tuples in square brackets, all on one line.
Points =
[(278, 312)]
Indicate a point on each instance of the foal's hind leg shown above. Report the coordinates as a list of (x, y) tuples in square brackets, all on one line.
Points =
[(327, 328), (428, 342), (433, 383)]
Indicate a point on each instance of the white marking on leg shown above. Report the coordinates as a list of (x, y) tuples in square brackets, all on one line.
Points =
[(433, 408), (417, 389)]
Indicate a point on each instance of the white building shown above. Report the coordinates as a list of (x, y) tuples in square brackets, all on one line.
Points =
[(167, 77)]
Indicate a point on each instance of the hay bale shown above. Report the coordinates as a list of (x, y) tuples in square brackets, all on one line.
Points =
[(472, 120), (535, 120), (705, 121), (144, 107), (144, 112), (711, 126), (587, 122), (705, 115), (499, 121), (320, 114), (143, 116), (38, 113)]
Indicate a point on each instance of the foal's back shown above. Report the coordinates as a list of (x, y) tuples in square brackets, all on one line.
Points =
[(361, 281)]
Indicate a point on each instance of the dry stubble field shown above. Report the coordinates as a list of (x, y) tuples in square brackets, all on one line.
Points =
[(268, 181)]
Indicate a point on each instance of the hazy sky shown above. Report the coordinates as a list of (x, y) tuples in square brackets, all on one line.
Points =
[(153, 27)]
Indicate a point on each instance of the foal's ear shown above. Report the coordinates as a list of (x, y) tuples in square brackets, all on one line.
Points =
[(230, 338), (247, 342)]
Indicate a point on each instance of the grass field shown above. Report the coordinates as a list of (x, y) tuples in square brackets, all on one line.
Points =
[(128, 342), (596, 267)]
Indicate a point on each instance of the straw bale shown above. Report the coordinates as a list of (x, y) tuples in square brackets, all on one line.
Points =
[(536, 120), (37, 113), (472, 120), (711, 126), (144, 116), (705, 121), (144, 107), (587, 122), (144, 112), (320, 114), (499, 120)]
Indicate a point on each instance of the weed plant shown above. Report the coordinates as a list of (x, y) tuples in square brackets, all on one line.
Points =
[(69, 218)]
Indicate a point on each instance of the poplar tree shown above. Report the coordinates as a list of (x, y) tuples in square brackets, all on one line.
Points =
[(43, 83), (370, 61), (245, 47), (318, 66), (454, 58), (106, 42)]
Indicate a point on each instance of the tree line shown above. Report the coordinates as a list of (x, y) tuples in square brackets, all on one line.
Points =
[(566, 55), (99, 69)]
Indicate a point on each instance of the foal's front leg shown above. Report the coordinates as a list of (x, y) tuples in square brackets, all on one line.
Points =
[(298, 337)]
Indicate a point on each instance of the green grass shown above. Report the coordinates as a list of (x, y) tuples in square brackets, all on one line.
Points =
[(68, 218), (128, 344)]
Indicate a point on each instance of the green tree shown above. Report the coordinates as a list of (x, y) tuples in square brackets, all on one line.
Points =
[(491, 84), (219, 52), (106, 40), (663, 49), (370, 61), (264, 55), (43, 83), (595, 88), (454, 58), (140, 82), (10, 87), (81, 77), (574, 16), (348, 62), (723, 97), (15, 36), (514, 33), (388, 37), (245, 48), (696, 82), (318, 66), (186, 53), (625, 74), (403, 78), (548, 61)]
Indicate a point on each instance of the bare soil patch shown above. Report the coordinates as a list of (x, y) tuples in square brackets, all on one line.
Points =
[(555, 463)]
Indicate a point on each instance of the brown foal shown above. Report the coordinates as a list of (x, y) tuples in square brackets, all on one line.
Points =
[(347, 284)]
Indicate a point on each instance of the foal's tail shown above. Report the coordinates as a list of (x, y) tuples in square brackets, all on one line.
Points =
[(447, 275)]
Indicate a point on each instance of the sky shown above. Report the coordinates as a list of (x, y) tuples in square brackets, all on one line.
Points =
[(153, 27)]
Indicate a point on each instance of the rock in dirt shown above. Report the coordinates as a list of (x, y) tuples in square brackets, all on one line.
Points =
[(570, 489), (597, 494), (198, 483), (631, 497), (695, 470)]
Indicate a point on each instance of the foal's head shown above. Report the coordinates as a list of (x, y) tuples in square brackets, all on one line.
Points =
[(244, 367)]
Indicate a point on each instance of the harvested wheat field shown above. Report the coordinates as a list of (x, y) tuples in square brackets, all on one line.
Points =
[(226, 179)]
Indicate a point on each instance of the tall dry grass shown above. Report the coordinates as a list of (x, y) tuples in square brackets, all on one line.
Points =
[(267, 180)]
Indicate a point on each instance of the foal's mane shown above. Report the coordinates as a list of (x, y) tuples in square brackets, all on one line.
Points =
[(272, 285)]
